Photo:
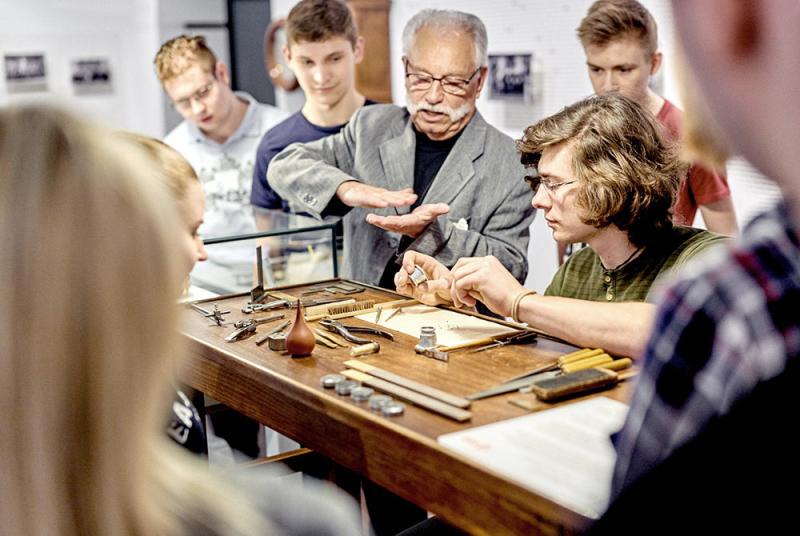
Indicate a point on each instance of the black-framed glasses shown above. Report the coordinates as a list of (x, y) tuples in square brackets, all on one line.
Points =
[(454, 85), (534, 181), (200, 95)]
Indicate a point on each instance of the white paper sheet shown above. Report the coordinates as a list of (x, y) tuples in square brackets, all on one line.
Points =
[(564, 454), (452, 327)]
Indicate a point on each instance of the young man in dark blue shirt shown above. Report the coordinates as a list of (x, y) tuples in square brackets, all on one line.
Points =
[(322, 49)]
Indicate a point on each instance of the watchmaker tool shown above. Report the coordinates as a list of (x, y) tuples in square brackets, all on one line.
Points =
[(336, 288), (427, 337), (424, 401), (433, 353), (329, 381), (418, 276), (582, 362), (324, 309), (346, 288), (255, 321), (396, 312), (393, 409), (361, 393), (321, 339), (277, 342), (216, 316), (572, 384), (365, 349), (258, 293), (344, 310), (376, 402), (402, 381), (345, 331), (556, 363), (290, 303), (278, 295), (329, 339), (345, 387), (248, 326), (406, 302), (481, 342), (259, 307), (521, 338), (277, 329), (341, 342), (378, 314), (442, 353)]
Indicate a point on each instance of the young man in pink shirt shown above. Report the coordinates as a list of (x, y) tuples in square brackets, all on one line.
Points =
[(620, 39)]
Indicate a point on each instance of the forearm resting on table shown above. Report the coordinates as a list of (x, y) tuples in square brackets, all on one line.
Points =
[(619, 328)]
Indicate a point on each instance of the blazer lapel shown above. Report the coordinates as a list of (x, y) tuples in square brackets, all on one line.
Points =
[(397, 159), (458, 169)]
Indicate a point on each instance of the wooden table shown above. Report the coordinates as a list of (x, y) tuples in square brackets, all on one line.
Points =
[(399, 453)]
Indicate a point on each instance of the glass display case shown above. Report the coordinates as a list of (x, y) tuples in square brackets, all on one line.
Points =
[(294, 249)]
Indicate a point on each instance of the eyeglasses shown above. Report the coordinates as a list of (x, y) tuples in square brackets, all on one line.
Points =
[(200, 95), (534, 181), (452, 85)]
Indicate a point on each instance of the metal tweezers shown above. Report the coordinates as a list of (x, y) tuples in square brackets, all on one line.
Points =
[(345, 331)]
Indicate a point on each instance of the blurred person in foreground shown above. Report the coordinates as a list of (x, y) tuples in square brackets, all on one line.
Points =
[(707, 445), (95, 245)]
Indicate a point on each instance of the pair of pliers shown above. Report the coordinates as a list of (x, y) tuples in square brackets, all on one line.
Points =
[(345, 331)]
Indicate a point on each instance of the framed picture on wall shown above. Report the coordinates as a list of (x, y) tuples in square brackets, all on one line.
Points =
[(510, 77), (91, 76), (25, 73)]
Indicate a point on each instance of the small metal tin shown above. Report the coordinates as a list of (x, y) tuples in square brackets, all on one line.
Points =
[(361, 394), (329, 381), (427, 337), (393, 408), (277, 342), (418, 276), (376, 402), (344, 387)]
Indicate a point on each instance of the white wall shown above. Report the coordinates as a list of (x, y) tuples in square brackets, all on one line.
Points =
[(122, 31)]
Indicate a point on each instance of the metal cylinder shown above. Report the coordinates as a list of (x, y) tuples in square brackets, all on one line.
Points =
[(427, 337)]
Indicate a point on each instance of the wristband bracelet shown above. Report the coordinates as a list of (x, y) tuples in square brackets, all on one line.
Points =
[(517, 300)]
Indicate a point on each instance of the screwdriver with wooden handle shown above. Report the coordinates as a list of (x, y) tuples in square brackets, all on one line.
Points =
[(573, 362)]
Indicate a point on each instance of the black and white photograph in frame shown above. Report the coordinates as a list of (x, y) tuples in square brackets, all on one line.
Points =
[(510, 77), (25, 73), (91, 76)]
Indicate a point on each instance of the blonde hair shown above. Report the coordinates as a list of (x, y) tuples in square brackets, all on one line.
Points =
[(180, 54), (628, 175), (609, 20), (177, 171), (88, 339)]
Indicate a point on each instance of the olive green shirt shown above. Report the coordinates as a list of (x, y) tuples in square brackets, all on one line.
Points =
[(584, 277)]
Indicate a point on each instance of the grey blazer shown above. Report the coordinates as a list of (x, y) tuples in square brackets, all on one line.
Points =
[(481, 180)]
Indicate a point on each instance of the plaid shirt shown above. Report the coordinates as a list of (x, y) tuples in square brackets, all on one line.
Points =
[(729, 322)]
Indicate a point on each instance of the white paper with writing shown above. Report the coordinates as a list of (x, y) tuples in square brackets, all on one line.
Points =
[(564, 454)]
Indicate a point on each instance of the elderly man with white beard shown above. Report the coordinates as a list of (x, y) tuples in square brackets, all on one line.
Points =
[(433, 176)]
